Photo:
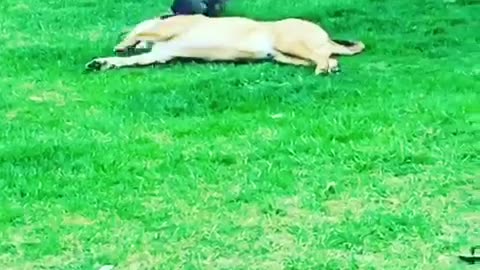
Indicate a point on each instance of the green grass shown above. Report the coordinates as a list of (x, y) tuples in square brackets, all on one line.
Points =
[(261, 166)]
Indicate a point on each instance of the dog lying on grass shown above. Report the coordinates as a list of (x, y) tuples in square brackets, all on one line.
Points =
[(289, 41)]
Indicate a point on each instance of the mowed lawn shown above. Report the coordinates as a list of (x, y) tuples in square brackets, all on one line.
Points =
[(252, 166)]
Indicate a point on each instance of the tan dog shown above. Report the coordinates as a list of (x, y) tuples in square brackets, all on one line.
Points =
[(289, 41)]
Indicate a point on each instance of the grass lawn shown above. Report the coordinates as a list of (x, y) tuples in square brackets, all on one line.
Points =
[(259, 166)]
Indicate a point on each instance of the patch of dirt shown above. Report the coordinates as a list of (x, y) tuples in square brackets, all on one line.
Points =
[(11, 115), (20, 7), (77, 220), (267, 134), (342, 207), (162, 138), (142, 260), (44, 97), (227, 263)]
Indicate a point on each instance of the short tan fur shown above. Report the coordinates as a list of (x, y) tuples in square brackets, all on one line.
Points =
[(289, 41)]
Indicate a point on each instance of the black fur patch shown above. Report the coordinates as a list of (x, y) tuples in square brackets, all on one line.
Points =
[(347, 43), (165, 16), (211, 8)]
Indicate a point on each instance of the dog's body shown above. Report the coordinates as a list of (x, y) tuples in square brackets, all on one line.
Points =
[(289, 41)]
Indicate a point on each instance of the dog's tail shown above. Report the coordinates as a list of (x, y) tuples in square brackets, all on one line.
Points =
[(346, 47)]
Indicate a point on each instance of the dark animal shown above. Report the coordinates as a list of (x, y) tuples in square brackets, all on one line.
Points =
[(210, 8)]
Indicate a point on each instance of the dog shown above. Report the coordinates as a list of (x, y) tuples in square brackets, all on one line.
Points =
[(210, 8), (290, 41)]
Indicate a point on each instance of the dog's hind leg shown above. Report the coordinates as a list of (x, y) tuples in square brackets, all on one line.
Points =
[(322, 58), (333, 65), (318, 55), (286, 59)]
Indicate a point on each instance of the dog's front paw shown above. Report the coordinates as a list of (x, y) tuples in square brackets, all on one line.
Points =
[(98, 64)]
